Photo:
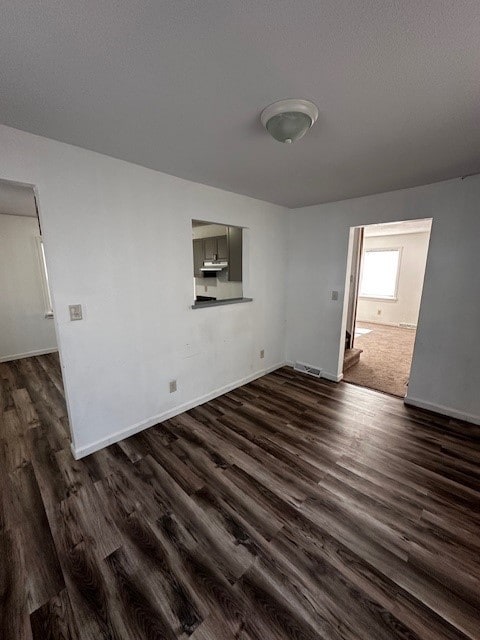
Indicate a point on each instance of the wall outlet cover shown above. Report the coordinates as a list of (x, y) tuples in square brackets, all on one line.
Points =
[(173, 386), (75, 311), (262, 353)]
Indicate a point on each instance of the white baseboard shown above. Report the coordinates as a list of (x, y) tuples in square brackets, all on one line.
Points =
[(445, 411), (386, 323), (28, 354), (86, 450), (332, 376)]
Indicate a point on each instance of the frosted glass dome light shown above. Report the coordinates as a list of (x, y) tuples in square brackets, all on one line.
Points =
[(289, 120)]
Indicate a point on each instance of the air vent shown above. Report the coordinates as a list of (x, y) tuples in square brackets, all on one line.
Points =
[(307, 368)]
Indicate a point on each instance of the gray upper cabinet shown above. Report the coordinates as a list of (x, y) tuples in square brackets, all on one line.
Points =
[(210, 248), (227, 247), (222, 248), (215, 248), (198, 257), (235, 254)]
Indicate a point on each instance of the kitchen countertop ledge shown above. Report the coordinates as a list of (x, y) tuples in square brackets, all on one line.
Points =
[(219, 303)]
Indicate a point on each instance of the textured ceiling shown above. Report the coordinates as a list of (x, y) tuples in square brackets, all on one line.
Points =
[(17, 200), (179, 86)]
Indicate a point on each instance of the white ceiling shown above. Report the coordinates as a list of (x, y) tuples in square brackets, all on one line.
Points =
[(179, 86), (398, 228), (17, 199)]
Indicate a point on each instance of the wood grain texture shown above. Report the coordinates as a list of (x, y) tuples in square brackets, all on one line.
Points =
[(290, 508)]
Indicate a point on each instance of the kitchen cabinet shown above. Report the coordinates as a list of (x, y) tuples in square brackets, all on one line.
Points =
[(227, 248), (198, 257), (222, 248), (215, 248), (210, 248), (235, 266)]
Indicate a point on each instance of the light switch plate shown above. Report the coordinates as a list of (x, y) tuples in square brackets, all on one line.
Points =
[(75, 311)]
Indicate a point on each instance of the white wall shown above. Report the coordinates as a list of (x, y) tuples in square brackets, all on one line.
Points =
[(24, 330), (118, 239), (445, 372), (413, 258)]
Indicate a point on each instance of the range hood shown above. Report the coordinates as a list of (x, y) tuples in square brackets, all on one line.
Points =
[(214, 265)]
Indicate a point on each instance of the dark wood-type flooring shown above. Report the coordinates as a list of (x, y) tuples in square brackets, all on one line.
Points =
[(289, 508)]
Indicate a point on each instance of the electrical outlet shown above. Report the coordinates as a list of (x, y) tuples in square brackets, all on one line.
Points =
[(262, 353), (173, 386), (334, 295), (379, 312), (75, 311)]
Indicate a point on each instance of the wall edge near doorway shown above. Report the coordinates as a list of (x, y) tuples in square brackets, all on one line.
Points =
[(442, 410)]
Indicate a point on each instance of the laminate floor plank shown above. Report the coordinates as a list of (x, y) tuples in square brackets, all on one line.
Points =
[(107, 461), (233, 560), (144, 602), (14, 610), (290, 508), (52, 421), (183, 474), (7, 385), (12, 433), (381, 550), (51, 365), (44, 575), (55, 620), (264, 520), (392, 606), (50, 478), (155, 566), (25, 409), (216, 628)]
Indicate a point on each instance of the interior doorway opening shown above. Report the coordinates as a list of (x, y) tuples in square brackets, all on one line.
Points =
[(386, 283), (31, 381)]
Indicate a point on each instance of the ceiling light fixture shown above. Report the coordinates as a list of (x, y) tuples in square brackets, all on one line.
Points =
[(289, 120)]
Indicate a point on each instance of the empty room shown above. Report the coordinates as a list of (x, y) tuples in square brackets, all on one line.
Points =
[(239, 316)]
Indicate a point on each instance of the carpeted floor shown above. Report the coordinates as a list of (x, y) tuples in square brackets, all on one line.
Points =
[(386, 359)]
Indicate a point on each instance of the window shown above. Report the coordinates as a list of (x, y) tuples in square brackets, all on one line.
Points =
[(217, 263), (47, 298), (379, 273)]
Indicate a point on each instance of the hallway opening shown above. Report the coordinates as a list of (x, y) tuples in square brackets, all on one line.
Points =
[(388, 270), (31, 384)]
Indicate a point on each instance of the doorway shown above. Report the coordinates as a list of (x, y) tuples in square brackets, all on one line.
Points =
[(386, 283), (31, 382)]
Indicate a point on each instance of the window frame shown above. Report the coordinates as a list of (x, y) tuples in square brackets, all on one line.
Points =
[(387, 298), (47, 295)]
